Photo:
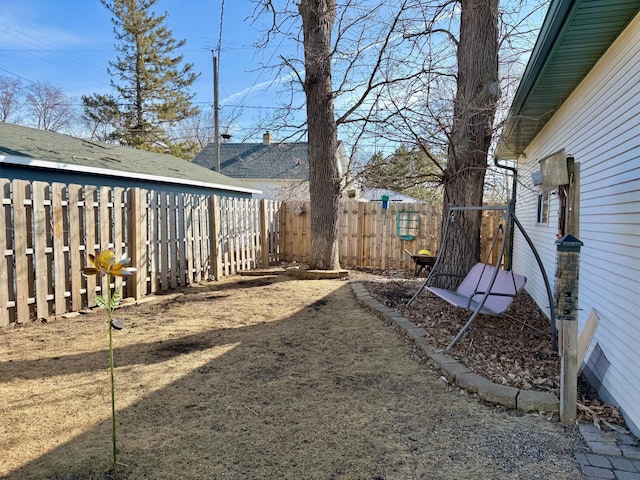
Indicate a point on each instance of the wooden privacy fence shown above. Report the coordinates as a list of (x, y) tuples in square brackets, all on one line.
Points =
[(173, 239), (47, 231), (371, 236)]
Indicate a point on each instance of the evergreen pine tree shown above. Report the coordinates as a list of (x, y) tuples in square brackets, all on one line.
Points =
[(150, 79)]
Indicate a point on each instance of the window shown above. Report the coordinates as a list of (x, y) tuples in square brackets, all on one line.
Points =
[(543, 209)]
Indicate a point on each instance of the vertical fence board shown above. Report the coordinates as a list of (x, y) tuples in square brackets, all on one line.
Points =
[(254, 235), (137, 213), (368, 233), (264, 233), (235, 236), (249, 231), (275, 209), (182, 248), (203, 218), (20, 250), (75, 192), (200, 247), (173, 221), (204, 245), (394, 249), (5, 216), (215, 251), (379, 227), (197, 240), (118, 234), (40, 235), (164, 242), (224, 233), (154, 240), (58, 194), (284, 234), (352, 233), (91, 246), (387, 256), (240, 240), (189, 212), (105, 229)]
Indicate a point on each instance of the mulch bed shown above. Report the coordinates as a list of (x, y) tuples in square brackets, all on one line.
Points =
[(513, 350)]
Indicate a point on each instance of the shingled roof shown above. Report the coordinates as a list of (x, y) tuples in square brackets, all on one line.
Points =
[(24, 147), (283, 161)]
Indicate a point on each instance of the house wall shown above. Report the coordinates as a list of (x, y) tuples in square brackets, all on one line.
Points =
[(283, 190), (599, 125)]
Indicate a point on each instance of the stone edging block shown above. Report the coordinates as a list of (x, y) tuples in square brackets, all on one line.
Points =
[(500, 394), (533, 401)]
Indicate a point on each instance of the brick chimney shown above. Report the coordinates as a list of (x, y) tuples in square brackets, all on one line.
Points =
[(266, 138)]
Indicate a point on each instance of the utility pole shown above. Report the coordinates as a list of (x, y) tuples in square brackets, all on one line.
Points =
[(216, 111)]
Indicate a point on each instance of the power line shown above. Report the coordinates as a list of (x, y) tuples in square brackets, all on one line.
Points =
[(16, 75), (44, 47)]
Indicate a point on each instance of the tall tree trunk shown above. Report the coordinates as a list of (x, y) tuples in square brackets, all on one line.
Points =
[(474, 112), (318, 17)]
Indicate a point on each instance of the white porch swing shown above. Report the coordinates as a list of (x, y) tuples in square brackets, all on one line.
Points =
[(486, 289)]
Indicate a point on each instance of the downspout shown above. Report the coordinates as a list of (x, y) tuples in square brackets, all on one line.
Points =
[(511, 220)]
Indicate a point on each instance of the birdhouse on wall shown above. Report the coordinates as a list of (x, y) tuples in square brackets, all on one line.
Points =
[(555, 170)]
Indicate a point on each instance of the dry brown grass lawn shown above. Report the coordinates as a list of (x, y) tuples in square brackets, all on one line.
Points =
[(260, 378)]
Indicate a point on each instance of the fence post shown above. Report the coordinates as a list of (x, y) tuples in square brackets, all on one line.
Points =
[(137, 228), (215, 255)]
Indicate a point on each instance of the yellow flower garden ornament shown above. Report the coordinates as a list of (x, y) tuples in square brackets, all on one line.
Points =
[(105, 264)]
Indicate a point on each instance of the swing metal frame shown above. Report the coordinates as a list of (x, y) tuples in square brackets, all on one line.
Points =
[(476, 300)]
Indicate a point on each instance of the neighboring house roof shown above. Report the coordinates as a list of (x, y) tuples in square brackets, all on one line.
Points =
[(28, 147), (277, 161), (574, 35), (375, 195)]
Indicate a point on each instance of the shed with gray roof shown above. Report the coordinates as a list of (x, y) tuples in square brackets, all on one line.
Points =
[(37, 155)]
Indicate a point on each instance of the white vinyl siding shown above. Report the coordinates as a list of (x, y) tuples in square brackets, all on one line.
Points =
[(599, 125)]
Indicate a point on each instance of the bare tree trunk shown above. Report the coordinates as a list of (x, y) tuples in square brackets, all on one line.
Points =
[(318, 17), (474, 112)]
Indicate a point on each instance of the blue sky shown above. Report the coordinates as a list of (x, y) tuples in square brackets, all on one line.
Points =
[(69, 43)]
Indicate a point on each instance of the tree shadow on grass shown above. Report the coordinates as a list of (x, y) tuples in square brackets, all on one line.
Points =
[(326, 392)]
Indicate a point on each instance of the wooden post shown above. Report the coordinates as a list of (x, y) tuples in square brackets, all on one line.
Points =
[(137, 229), (567, 276)]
